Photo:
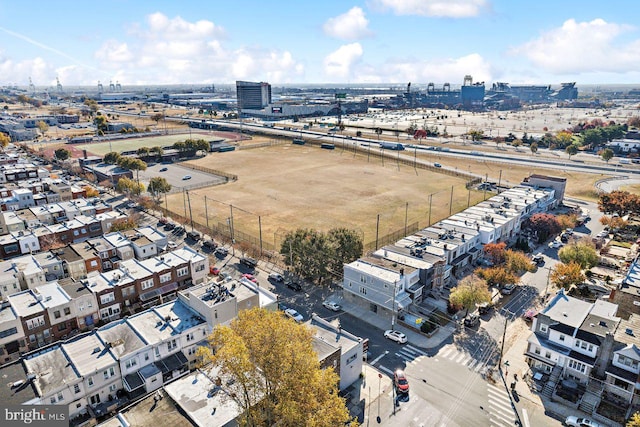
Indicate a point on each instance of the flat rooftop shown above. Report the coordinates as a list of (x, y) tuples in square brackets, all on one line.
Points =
[(149, 412), (88, 354), (23, 392), (123, 338), (52, 368)]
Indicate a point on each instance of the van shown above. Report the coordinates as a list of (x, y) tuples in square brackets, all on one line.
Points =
[(538, 259), (248, 262), (624, 161)]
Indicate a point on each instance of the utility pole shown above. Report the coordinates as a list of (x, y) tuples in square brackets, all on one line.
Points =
[(504, 335), (260, 233), (377, 230), (190, 213), (206, 212), (430, 198), (231, 228), (451, 202), (406, 213)]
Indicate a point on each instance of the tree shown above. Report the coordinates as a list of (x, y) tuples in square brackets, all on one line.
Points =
[(544, 225), (634, 421), (471, 290), (158, 185), (516, 144), (143, 152), (564, 139), (42, 127), (533, 147), (634, 122), (90, 191), (345, 246), (133, 165), (606, 154), (567, 275), (614, 222), (158, 151), (495, 252), (129, 186), (62, 154), (123, 224), (517, 262), (303, 252), (619, 202), (101, 123), (567, 220), (476, 134), (267, 366), (111, 158), (582, 252), (496, 276), (4, 140), (571, 150)]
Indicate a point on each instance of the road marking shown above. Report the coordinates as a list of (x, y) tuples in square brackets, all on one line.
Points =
[(415, 350), (525, 417), (462, 356), (388, 371), (446, 352), (472, 364), (374, 361), (404, 357), (479, 366)]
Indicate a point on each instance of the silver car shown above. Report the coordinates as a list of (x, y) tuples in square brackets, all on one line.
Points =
[(396, 336)]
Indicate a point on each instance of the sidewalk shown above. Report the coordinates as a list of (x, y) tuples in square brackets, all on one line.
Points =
[(415, 338), (368, 394)]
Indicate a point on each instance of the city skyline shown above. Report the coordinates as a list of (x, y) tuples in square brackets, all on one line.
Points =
[(332, 42)]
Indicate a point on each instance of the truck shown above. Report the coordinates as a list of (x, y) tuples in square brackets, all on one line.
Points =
[(392, 146)]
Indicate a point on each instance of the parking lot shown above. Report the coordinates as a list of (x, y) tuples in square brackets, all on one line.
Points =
[(175, 173)]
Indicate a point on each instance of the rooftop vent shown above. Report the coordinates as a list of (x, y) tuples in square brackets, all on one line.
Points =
[(603, 323), (628, 331), (564, 313), (96, 350)]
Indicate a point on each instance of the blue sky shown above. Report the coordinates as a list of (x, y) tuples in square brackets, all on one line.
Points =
[(319, 41)]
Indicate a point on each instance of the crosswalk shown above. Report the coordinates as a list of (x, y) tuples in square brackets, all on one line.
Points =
[(478, 362), (499, 408)]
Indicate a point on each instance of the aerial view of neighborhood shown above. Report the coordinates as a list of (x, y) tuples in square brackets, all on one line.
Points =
[(194, 232)]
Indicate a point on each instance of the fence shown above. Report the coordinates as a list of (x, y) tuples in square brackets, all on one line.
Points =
[(229, 176), (262, 144), (391, 237)]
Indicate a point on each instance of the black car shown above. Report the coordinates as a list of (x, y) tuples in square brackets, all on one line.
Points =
[(471, 320), (222, 251), (193, 235), (248, 262), (169, 226), (179, 230), (292, 284), (209, 244)]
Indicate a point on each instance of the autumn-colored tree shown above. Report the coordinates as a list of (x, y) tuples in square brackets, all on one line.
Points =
[(158, 185), (90, 191), (567, 220), (582, 252), (544, 225), (533, 147), (471, 290), (476, 134), (111, 158), (517, 262), (497, 276), (634, 121), (634, 421), (129, 186), (620, 202), (614, 222), (495, 252), (266, 364), (606, 154), (4, 140), (571, 150), (123, 224), (42, 127), (564, 139), (567, 275)]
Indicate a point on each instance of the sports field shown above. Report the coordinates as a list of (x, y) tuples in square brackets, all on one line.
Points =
[(286, 187), (102, 148)]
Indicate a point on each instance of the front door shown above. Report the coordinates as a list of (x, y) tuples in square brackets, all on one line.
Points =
[(95, 399)]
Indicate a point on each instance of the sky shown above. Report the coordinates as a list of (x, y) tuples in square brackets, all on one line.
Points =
[(319, 42)]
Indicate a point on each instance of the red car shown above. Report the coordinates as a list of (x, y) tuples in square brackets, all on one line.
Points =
[(250, 277), (214, 270), (401, 382)]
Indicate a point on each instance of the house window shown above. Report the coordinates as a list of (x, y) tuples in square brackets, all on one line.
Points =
[(112, 388), (547, 355), (131, 363), (171, 345), (76, 389), (165, 278), (53, 400), (146, 357), (183, 271), (537, 350), (561, 337), (189, 336), (363, 290), (147, 284), (157, 351), (67, 311), (60, 397), (107, 298), (56, 314), (352, 358), (90, 381), (543, 328)]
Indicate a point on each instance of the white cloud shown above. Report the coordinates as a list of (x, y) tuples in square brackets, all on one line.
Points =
[(436, 8), (339, 64), (583, 47), (351, 25)]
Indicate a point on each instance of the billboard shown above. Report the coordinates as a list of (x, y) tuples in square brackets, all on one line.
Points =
[(276, 110)]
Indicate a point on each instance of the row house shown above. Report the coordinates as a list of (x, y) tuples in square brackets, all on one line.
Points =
[(30, 273), (198, 266), (93, 252), (28, 218), (24, 197), (61, 187), (20, 172), (12, 339), (143, 247), (107, 288), (11, 222), (9, 279), (84, 304), (152, 234), (9, 247), (144, 281), (586, 342), (124, 249), (379, 286), (60, 309), (108, 218), (51, 213), (51, 264), (73, 265), (34, 317)]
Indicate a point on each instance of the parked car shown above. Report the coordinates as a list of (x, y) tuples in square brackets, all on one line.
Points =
[(250, 277), (248, 262), (508, 289), (214, 270), (396, 336), (472, 320), (186, 177), (293, 284), (222, 251), (193, 235), (276, 277), (290, 312), (538, 259), (574, 421), (484, 308), (331, 305), (438, 165), (556, 244), (163, 220), (164, 169), (172, 245), (169, 226), (209, 244), (179, 230), (400, 381)]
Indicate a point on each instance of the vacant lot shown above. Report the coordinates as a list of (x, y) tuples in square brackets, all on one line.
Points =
[(290, 186)]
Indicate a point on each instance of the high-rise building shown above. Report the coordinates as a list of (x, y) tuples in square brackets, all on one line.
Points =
[(253, 95)]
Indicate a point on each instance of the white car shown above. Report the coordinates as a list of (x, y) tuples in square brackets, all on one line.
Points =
[(332, 305), (290, 312), (508, 289), (276, 276), (172, 245), (184, 178), (556, 244), (396, 336), (574, 421)]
